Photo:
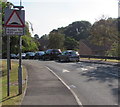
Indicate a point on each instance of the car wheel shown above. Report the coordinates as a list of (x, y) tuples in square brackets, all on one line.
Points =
[(78, 60), (67, 59), (59, 59)]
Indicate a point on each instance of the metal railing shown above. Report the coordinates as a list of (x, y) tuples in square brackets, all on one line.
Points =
[(100, 57)]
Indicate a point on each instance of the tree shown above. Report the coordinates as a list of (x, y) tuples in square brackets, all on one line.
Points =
[(44, 42), (36, 36), (29, 44), (104, 33), (70, 43), (56, 40), (114, 51), (78, 30)]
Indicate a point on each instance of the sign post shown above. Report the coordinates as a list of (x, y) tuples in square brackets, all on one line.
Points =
[(20, 66), (8, 65), (14, 25)]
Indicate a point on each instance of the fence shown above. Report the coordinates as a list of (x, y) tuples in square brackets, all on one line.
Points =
[(99, 57)]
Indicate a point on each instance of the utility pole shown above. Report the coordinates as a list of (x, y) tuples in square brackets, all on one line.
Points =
[(20, 60)]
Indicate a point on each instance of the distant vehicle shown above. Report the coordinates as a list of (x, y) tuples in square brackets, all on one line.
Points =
[(69, 55), (30, 55), (39, 55), (13, 56), (51, 54), (23, 55)]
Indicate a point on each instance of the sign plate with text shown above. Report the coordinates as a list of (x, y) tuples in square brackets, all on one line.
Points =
[(14, 31)]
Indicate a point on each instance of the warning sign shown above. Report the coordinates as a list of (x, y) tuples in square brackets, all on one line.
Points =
[(14, 22), (15, 19)]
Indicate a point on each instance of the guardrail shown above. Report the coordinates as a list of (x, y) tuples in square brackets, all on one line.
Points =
[(100, 57)]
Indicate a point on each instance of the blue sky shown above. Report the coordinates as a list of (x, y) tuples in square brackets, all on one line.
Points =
[(46, 15)]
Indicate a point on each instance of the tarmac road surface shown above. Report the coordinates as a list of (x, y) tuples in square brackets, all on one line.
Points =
[(44, 88), (93, 83)]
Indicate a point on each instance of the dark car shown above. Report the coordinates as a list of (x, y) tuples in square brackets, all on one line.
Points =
[(30, 55), (69, 55), (13, 56), (39, 55), (51, 54)]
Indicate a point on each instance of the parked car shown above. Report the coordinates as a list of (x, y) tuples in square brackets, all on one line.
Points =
[(39, 55), (69, 55), (13, 56), (23, 55), (51, 54), (30, 55)]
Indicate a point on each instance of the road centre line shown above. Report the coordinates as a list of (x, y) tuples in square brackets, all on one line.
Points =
[(76, 97)]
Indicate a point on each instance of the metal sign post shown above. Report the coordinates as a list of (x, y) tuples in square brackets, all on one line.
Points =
[(8, 65), (20, 66)]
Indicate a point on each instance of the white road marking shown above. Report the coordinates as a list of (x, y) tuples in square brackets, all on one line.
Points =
[(64, 70), (84, 69), (72, 86), (91, 67)]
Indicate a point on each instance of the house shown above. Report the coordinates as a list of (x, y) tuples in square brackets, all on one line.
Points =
[(87, 48)]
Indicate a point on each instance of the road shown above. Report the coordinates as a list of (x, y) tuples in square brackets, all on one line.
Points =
[(93, 83)]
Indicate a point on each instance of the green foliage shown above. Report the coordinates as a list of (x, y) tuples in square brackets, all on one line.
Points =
[(104, 33), (44, 42), (78, 30), (14, 44), (56, 40), (36, 36), (28, 44), (114, 51), (70, 43)]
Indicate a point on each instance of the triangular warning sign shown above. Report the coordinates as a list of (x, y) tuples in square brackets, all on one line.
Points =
[(14, 20)]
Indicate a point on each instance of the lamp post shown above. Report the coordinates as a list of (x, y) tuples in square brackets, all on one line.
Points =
[(20, 57)]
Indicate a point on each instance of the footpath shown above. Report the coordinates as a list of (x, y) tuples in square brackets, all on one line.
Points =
[(44, 88)]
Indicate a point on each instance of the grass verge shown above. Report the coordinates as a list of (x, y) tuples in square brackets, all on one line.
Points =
[(14, 98)]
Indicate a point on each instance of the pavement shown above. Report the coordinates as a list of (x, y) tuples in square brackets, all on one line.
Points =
[(44, 88)]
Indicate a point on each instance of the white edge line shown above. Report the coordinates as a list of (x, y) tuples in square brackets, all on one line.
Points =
[(76, 97)]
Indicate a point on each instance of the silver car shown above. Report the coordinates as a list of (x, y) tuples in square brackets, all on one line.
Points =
[(69, 55)]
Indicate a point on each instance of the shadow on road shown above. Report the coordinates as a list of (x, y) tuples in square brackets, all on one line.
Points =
[(104, 74), (101, 62)]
